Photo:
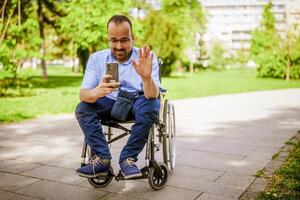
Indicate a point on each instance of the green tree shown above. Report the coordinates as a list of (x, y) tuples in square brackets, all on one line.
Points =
[(19, 38), (85, 24), (203, 53), (171, 29), (216, 57), (47, 13), (23, 25), (295, 57), (267, 47), (241, 57)]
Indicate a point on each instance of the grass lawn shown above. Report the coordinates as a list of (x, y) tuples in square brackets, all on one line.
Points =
[(59, 94), (207, 83)]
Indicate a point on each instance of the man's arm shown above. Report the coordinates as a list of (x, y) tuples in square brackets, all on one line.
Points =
[(92, 95), (144, 68), (150, 88)]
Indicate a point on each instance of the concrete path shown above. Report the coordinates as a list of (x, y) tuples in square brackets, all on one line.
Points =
[(222, 141)]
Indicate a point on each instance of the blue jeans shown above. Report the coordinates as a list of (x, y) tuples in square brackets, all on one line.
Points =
[(89, 116)]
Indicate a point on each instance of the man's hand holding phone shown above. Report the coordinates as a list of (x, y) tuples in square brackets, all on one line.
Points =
[(105, 87)]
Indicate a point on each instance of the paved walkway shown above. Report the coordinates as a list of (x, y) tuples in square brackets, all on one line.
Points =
[(221, 142)]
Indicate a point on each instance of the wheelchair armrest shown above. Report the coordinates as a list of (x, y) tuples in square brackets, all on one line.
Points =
[(162, 90)]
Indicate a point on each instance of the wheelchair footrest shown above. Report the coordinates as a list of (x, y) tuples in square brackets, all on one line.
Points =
[(144, 172)]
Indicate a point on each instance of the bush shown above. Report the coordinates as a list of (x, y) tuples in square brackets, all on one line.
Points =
[(270, 64), (295, 58), (196, 66), (167, 66), (269, 51), (216, 58), (295, 72)]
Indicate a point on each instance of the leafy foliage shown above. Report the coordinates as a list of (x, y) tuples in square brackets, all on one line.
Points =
[(47, 29), (19, 39), (295, 58), (80, 27), (266, 47), (217, 59), (268, 20), (172, 29), (22, 28), (270, 52), (241, 57), (85, 23)]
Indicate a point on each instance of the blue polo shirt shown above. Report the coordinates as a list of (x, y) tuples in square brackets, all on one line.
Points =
[(128, 77)]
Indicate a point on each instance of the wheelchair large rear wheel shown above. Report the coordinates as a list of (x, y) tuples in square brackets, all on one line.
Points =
[(156, 180), (169, 145), (102, 181)]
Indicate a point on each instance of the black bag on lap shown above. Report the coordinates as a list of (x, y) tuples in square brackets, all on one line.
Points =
[(122, 105)]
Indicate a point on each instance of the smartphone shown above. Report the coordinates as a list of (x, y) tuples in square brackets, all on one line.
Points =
[(113, 70)]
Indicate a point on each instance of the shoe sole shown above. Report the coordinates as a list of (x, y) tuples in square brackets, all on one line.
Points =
[(102, 174), (131, 176)]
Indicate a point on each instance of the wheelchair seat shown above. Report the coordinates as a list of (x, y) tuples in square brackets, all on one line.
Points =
[(113, 123)]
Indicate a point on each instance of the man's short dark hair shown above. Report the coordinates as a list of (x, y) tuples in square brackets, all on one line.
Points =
[(118, 19)]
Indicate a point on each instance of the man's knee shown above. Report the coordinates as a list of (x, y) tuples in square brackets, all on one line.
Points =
[(146, 110), (142, 103), (82, 109), (146, 117)]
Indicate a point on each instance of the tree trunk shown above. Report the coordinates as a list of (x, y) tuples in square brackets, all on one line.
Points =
[(83, 56), (288, 54), (287, 23), (191, 67), (42, 48), (180, 67)]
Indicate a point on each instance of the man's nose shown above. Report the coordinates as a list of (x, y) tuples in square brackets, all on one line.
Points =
[(119, 45)]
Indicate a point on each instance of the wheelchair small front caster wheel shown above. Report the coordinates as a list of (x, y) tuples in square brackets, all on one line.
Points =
[(102, 181), (157, 181)]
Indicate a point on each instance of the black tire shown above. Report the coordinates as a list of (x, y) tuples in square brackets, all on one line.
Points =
[(103, 181), (169, 145), (164, 136), (156, 181)]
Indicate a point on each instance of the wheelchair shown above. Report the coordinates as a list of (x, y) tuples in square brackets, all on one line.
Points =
[(161, 138)]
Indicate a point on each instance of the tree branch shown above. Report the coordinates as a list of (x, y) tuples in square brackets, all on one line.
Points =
[(7, 23), (3, 9), (52, 8)]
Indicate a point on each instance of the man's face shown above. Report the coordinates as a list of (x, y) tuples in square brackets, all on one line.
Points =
[(120, 40)]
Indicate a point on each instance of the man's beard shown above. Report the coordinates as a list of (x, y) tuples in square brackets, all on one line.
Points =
[(121, 54)]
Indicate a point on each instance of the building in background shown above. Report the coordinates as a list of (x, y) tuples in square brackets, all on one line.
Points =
[(231, 22)]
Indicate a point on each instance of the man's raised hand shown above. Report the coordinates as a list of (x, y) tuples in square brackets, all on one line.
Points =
[(144, 64)]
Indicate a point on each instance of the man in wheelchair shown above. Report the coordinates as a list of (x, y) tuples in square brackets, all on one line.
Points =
[(138, 74)]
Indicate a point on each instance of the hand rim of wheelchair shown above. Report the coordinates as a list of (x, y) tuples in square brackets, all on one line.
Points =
[(169, 145), (156, 181), (102, 181)]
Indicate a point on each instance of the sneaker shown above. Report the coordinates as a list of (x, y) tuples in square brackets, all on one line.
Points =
[(129, 169), (96, 167)]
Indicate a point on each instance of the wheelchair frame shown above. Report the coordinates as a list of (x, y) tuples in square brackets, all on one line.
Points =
[(156, 172)]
